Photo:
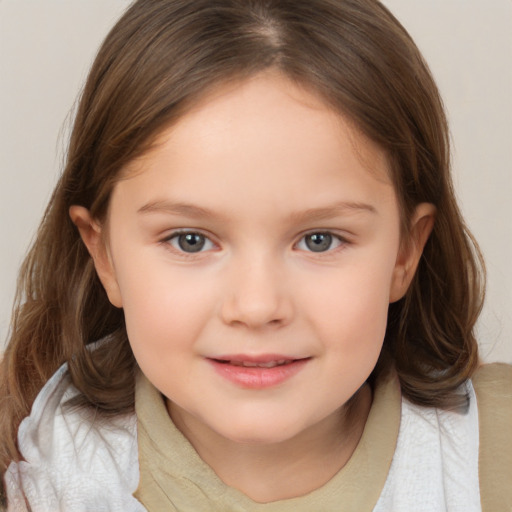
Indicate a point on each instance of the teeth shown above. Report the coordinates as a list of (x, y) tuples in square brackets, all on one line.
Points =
[(250, 364)]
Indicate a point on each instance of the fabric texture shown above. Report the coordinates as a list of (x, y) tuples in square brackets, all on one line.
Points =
[(409, 458), (435, 465), (73, 462), (493, 385)]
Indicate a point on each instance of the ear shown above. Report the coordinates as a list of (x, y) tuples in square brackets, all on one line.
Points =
[(91, 233), (411, 250)]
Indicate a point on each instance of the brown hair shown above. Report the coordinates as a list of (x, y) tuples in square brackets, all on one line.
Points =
[(157, 60)]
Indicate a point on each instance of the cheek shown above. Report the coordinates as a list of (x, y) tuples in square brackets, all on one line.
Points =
[(164, 310), (352, 327), (350, 308)]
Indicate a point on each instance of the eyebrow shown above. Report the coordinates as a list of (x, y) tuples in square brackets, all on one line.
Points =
[(335, 210), (321, 213), (183, 209)]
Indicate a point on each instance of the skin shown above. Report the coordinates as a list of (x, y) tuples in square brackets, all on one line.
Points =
[(256, 168)]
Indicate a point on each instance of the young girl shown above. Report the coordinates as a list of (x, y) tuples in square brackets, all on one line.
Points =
[(252, 288)]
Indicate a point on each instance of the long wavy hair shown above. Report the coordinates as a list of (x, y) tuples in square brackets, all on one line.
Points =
[(155, 63)]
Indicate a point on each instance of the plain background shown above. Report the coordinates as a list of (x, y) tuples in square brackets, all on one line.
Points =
[(46, 48)]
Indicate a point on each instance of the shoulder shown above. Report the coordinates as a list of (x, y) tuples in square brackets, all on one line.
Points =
[(493, 387), (72, 459), (460, 458), (496, 377), (435, 463)]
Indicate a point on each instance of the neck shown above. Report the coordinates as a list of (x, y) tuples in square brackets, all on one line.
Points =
[(288, 469)]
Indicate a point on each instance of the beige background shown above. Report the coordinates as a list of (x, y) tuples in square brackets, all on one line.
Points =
[(47, 46)]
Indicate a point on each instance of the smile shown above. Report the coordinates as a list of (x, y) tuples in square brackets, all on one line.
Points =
[(257, 372), (253, 364)]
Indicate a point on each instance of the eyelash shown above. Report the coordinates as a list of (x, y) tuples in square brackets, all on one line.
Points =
[(332, 238)]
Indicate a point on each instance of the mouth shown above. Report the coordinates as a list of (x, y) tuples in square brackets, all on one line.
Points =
[(255, 364), (258, 372)]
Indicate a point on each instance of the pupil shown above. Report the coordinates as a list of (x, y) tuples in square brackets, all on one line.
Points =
[(319, 242), (191, 242)]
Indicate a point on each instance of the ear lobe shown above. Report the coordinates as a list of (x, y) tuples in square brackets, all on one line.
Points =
[(410, 252), (91, 234)]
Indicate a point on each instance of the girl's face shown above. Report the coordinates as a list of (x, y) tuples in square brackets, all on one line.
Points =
[(255, 251)]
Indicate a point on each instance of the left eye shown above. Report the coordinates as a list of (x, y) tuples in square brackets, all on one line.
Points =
[(190, 242), (319, 242)]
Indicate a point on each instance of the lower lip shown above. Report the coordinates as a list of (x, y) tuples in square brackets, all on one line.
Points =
[(257, 377)]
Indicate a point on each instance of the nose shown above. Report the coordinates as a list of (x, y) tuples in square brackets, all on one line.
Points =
[(257, 295)]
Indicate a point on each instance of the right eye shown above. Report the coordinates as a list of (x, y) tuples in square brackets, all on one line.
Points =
[(190, 242)]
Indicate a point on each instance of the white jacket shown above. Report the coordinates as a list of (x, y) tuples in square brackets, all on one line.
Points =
[(72, 463)]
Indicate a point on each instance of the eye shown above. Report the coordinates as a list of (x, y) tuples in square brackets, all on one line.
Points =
[(319, 242), (190, 242)]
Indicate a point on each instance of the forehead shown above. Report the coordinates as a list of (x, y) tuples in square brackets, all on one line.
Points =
[(249, 107), (263, 139)]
